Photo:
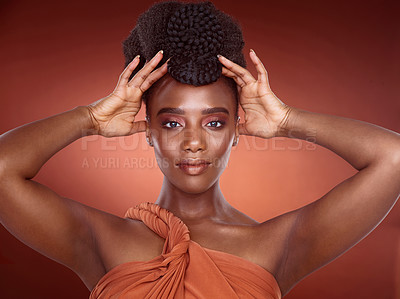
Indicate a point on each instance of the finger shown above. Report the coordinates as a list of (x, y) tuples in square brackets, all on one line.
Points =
[(126, 73), (232, 75), (138, 126), (239, 89), (244, 74), (141, 75), (261, 71), (239, 81), (154, 76)]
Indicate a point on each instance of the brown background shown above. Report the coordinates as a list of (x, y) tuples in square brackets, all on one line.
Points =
[(334, 57)]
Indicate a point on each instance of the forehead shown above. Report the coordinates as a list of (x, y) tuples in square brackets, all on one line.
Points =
[(170, 93)]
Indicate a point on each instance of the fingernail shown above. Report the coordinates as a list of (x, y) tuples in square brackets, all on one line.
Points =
[(161, 51), (253, 52), (134, 59), (219, 55)]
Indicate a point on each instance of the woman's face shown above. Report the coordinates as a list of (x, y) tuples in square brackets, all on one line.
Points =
[(192, 130)]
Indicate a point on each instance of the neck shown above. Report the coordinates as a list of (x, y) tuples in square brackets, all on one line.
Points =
[(189, 207)]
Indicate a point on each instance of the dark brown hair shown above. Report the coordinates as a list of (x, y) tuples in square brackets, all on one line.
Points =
[(193, 34)]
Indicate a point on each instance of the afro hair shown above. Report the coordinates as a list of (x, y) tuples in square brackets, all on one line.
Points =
[(192, 34)]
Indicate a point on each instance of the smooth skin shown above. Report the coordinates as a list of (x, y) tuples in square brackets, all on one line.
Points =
[(290, 246)]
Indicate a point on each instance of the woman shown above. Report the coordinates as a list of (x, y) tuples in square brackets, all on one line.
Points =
[(192, 124)]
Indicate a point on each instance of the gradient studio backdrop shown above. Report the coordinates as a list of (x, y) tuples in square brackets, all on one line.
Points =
[(335, 57)]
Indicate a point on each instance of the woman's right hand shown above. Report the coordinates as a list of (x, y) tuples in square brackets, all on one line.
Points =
[(114, 115)]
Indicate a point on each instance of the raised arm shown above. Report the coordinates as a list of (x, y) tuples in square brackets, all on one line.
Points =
[(315, 234), (43, 220), (60, 228), (327, 227)]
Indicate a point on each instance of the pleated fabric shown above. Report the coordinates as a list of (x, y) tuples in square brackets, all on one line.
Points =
[(184, 269)]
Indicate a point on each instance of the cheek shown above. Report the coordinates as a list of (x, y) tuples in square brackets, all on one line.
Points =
[(220, 141), (167, 143), (220, 149), (164, 140), (223, 154)]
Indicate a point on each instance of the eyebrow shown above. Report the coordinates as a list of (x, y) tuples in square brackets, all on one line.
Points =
[(203, 112)]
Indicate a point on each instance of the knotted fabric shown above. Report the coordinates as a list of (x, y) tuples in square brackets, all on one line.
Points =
[(184, 269)]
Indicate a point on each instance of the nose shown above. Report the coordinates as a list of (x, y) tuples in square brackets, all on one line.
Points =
[(193, 140)]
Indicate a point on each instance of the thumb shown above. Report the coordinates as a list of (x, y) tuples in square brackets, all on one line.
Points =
[(242, 130), (138, 126)]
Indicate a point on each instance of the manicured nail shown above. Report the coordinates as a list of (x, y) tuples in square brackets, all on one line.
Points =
[(253, 52), (134, 59), (161, 51)]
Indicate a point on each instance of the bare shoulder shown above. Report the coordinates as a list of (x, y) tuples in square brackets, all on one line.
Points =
[(264, 244), (273, 238), (261, 243), (114, 240)]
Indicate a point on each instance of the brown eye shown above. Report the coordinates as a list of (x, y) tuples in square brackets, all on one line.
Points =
[(171, 124), (216, 123)]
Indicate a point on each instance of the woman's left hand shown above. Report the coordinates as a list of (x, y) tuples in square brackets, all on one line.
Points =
[(265, 114)]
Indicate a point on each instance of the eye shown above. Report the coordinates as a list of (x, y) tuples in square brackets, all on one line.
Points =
[(216, 123), (170, 124)]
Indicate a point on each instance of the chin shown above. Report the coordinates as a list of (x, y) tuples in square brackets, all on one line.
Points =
[(193, 187), (192, 184)]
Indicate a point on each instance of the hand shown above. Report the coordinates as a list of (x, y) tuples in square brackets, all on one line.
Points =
[(265, 115), (114, 115)]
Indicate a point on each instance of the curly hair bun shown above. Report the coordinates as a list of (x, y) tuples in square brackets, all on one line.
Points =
[(195, 36), (192, 34)]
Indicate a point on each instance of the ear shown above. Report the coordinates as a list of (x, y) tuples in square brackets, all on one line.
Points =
[(148, 135), (236, 138)]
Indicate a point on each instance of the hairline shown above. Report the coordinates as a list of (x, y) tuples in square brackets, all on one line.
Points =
[(147, 94)]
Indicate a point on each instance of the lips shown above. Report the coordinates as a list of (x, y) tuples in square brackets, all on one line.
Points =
[(193, 166), (191, 161)]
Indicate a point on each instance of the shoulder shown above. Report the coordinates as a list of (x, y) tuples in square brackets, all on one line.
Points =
[(274, 244), (115, 240), (122, 240), (265, 243)]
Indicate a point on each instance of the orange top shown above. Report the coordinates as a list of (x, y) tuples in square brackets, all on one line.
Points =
[(184, 269)]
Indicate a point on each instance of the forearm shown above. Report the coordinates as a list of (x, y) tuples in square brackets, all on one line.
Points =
[(359, 143), (25, 149)]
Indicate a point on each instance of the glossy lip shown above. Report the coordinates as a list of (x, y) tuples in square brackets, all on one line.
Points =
[(193, 161), (193, 166)]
